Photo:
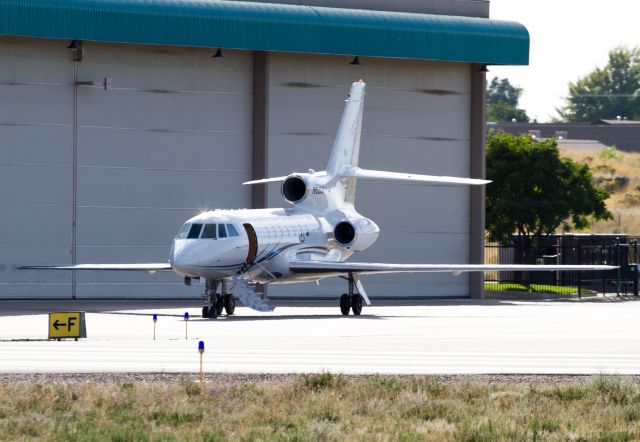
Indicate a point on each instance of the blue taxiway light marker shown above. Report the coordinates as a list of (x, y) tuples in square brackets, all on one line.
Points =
[(186, 321), (186, 316), (201, 351), (155, 319)]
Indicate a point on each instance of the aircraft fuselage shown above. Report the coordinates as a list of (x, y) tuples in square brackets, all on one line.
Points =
[(260, 242)]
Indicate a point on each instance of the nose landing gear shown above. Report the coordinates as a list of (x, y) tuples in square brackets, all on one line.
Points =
[(216, 302), (229, 304), (219, 304), (345, 304), (351, 301)]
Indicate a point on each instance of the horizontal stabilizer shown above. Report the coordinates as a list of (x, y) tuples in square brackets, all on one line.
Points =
[(382, 175), (340, 268), (265, 180), (148, 267)]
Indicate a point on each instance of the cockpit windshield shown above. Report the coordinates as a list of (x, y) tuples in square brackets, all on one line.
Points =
[(209, 231), (194, 231), (184, 230)]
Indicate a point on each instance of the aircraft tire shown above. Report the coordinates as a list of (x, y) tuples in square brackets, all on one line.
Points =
[(356, 304), (229, 304), (219, 305), (205, 312), (345, 304), (213, 311)]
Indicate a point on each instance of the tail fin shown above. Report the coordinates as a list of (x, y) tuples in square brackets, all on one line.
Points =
[(346, 147), (343, 163)]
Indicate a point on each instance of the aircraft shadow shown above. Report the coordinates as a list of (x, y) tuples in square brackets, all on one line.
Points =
[(150, 315), (240, 318), (25, 307), (235, 318)]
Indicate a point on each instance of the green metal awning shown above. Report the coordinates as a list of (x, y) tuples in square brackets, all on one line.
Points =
[(270, 27)]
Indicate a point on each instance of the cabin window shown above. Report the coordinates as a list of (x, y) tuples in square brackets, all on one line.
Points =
[(231, 230), (194, 231), (209, 231), (182, 234), (222, 232)]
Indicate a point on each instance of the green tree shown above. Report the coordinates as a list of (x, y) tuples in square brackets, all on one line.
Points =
[(608, 92), (502, 101), (535, 191)]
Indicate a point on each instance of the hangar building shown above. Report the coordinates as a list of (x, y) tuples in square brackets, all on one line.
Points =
[(117, 123)]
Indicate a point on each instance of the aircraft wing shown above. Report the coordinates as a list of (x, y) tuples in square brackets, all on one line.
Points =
[(340, 268), (147, 267)]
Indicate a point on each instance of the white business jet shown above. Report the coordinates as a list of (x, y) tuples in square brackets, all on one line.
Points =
[(235, 250)]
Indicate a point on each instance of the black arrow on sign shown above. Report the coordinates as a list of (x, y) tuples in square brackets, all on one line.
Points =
[(57, 324)]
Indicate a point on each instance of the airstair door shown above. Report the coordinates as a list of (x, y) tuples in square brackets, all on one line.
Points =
[(253, 243)]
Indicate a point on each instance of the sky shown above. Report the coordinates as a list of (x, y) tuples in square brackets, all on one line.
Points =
[(569, 38)]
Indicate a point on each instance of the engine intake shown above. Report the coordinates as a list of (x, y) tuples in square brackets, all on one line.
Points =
[(294, 189), (344, 233), (356, 233)]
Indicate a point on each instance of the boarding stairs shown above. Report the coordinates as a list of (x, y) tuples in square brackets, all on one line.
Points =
[(244, 291)]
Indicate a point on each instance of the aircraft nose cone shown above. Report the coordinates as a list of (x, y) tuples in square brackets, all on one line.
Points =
[(183, 255)]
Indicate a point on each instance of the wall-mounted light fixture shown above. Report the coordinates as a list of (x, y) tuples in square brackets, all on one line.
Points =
[(356, 61), (218, 54), (105, 83), (77, 46)]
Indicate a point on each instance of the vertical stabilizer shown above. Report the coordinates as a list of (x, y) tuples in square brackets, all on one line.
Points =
[(346, 147)]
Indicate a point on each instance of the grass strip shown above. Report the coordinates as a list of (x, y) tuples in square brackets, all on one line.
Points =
[(534, 288), (323, 407)]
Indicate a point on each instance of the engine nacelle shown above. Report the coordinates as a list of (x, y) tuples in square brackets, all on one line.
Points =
[(356, 233), (295, 188)]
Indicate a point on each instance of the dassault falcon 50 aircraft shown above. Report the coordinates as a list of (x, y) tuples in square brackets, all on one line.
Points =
[(234, 250)]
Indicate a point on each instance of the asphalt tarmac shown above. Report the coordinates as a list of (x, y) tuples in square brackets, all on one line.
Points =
[(439, 337)]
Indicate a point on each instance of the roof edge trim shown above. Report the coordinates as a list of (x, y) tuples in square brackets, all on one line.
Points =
[(270, 27)]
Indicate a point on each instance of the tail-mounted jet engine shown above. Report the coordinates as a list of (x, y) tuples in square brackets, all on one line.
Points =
[(356, 234), (295, 188), (307, 190)]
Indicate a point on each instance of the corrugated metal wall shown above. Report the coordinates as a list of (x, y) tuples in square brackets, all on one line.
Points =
[(173, 136), (36, 115), (416, 119), (168, 139)]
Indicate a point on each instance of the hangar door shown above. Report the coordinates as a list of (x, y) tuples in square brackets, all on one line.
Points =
[(168, 137), (172, 137), (416, 120), (36, 116)]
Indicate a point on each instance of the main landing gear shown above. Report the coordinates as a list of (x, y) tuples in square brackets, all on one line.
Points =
[(351, 301), (216, 302)]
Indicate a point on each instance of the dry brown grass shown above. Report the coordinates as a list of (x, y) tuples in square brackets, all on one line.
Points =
[(624, 202), (323, 407)]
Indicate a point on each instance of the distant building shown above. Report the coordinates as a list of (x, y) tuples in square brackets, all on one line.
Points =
[(624, 134)]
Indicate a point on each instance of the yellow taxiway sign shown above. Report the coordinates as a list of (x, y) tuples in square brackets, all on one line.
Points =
[(67, 325)]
